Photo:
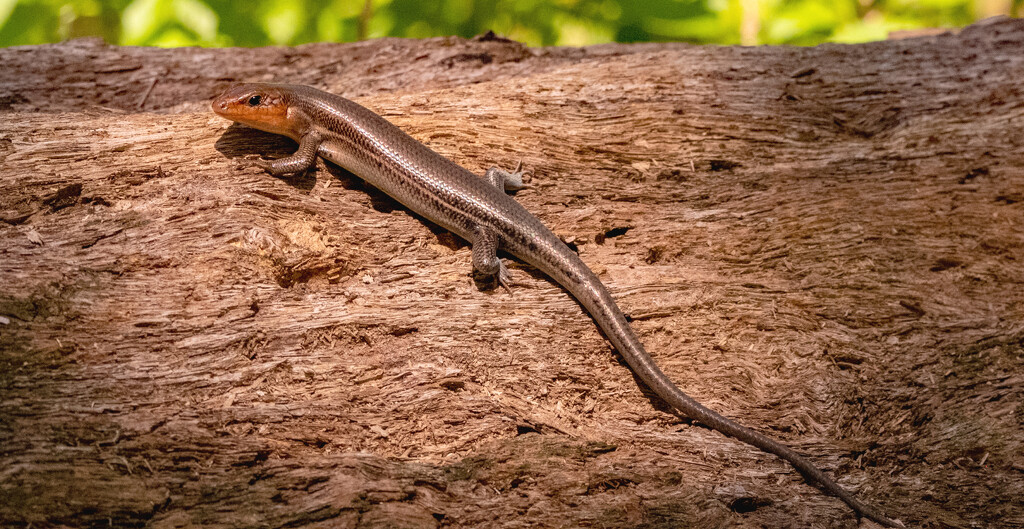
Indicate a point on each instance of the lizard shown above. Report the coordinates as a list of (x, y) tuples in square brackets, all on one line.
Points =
[(480, 211)]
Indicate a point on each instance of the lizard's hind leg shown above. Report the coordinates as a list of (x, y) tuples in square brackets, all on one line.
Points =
[(486, 264), (503, 179)]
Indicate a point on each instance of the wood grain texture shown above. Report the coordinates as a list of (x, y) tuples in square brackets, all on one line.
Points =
[(823, 243)]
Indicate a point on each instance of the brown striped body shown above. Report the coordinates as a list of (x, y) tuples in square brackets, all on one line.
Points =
[(429, 184)]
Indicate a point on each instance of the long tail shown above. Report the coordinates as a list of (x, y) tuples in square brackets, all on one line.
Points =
[(595, 298)]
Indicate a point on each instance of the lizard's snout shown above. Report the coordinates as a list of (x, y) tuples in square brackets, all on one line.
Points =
[(219, 105)]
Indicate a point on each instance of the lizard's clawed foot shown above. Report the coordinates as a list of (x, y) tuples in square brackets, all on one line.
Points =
[(514, 180), (261, 163), (505, 278), (503, 179)]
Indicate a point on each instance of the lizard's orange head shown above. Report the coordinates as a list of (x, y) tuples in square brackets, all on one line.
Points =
[(258, 105)]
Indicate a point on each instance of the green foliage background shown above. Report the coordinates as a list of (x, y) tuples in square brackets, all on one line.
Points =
[(536, 22)]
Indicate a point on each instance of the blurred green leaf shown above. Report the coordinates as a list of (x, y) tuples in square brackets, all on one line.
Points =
[(141, 19), (6, 8), (198, 17), (536, 22)]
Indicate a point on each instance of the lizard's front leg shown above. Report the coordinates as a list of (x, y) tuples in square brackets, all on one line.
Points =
[(300, 161)]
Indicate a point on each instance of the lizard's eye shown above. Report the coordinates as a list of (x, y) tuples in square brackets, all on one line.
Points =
[(254, 100)]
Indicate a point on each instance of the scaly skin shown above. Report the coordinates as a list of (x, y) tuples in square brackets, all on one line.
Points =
[(478, 210)]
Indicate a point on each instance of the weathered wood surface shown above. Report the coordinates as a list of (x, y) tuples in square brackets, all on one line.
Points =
[(826, 244)]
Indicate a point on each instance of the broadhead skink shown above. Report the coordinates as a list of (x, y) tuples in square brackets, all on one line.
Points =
[(478, 210)]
